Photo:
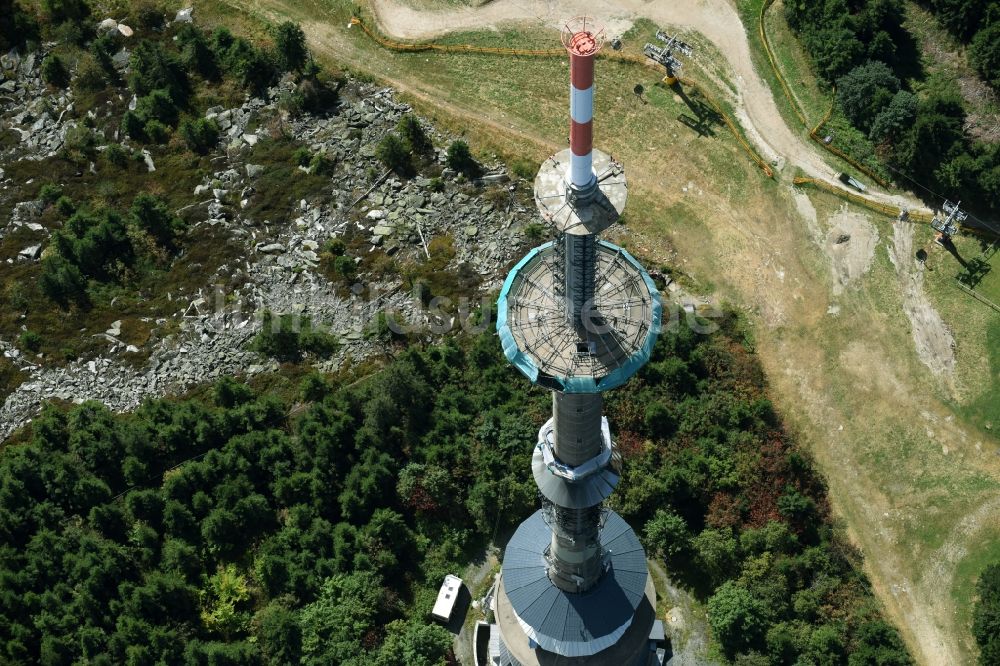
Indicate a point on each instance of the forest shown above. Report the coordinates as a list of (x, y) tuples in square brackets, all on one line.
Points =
[(863, 50), (235, 526)]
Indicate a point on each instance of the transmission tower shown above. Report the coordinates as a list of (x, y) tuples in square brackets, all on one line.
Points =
[(578, 316), (946, 226), (665, 54)]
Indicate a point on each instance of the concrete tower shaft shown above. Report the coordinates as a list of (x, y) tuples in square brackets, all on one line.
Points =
[(576, 425), (576, 560)]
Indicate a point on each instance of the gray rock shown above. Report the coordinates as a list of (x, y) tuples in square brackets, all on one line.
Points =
[(184, 15), (31, 252), (254, 170), (272, 248), (120, 59), (492, 178)]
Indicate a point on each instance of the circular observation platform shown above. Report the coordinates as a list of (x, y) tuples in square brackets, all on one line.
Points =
[(617, 337), (542, 624), (603, 208)]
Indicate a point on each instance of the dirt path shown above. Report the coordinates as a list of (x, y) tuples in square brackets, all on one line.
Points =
[(717, 20), (934, 342)]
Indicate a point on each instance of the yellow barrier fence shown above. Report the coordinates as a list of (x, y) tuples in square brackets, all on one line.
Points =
[(774, 65), (885, 209), (619, 57)]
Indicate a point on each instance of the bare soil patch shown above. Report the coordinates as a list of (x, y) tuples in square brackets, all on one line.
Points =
[(934, 342)]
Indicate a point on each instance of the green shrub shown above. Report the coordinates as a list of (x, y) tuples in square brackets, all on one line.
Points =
[(155, 131), (116, 155), (151, 214), (984, 54), (335, 247), (80, 142), (134, 126), (90, 76), (986, 615), (200, 135), (62, 11), (17, 26), (153, 67), (30, 341), (394, 155), (102, 50), (292, 102), (313, 387), (49, 193), (524, 169), (65, 206), (254, 69), (460, 159), (54, 71), (414, 135), (290, 42), (196, 52), (345, 267), (320, 165), (534, 230), (147, 16), (62, 281), (287, 337), (302, 156), (157, 105)]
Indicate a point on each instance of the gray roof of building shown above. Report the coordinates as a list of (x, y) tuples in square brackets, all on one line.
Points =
[(563, 617)]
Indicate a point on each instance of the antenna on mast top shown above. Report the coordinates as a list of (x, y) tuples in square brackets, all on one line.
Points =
[(583, 36)]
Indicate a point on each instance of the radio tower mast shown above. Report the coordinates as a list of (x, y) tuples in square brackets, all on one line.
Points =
[(578, 316)]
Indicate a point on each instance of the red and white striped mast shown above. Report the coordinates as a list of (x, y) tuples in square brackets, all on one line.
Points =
[(583, 40)]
